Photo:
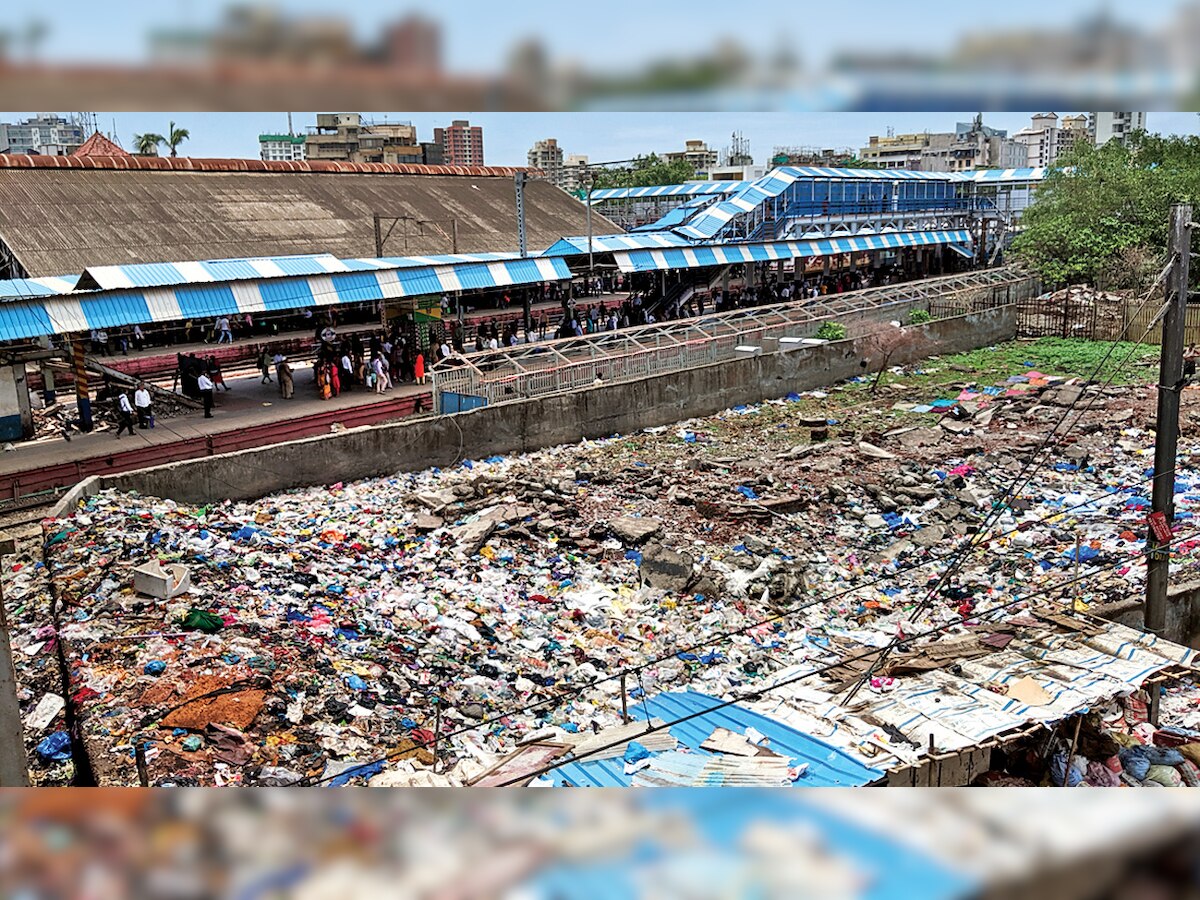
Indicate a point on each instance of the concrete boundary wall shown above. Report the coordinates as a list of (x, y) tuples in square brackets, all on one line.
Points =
[(525, 425)]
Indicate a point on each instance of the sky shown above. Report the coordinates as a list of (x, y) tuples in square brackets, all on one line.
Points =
[(603, 136), (478, 34)]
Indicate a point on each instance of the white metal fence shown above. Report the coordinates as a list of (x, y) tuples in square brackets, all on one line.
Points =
[(546, 367)]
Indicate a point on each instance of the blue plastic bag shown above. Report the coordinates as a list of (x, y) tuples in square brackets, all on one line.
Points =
[(55, 748)]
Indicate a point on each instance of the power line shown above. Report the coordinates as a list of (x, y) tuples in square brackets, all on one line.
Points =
[(561, 698), (725, 704), (1025, 473)]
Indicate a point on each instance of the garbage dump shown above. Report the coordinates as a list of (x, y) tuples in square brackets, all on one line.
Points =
[(425, 627)]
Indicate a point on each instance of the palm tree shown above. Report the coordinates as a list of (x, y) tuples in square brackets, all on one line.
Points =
[(175, 137), (147, 144)]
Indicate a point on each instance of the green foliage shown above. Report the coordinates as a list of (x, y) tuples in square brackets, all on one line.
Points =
[(1107, 218), (646, 171), (919, 316), (147, 144), (832, 331), (1072, 357), (175, 137)]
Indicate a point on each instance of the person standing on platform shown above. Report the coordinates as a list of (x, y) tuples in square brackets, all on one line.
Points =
[(204, 383), (224, 335), (419, 368), (124, 414), (264, 365), (286, 384), (142, 403)]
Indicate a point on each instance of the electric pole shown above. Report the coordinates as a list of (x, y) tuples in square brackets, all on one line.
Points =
[(522, 245), (13, 772), (1166, 432)]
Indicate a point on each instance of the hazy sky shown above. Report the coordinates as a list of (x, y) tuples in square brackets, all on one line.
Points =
[(479, 33), (601, 135)]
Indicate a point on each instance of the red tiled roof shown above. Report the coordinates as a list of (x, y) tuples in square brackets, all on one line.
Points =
[(99, 145), (189, 164)]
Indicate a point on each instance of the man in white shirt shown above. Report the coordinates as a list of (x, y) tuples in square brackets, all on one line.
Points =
[(141, 402), (445, 350), (206, 393), (124, 414), (225, 336)]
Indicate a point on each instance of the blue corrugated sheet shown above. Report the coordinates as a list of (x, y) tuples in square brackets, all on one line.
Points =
[(828, 766), (84, 310), (720, 819), (648, 260)]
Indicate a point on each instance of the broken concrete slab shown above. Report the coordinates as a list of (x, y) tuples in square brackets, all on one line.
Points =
[(665, 568), (635, 529), (874, 452)]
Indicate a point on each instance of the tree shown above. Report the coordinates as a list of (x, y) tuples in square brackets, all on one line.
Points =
[(1103, 214), (646, 171), (175, 137), (147, 144)]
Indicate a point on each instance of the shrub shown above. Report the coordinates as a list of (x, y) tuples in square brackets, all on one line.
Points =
[(919, 317), (832, 331)]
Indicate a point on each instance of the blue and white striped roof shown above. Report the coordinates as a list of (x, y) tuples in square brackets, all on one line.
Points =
[(85, 310), (647, 260), (46, 286), (687, 189), (605, 243), (166, 274), (110, 278), (794, 172), (1036, 173)]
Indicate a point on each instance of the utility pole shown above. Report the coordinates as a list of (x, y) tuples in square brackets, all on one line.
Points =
[(378, 237), (519, 183), (587, 202), (522, 245), (13, 772), (1166, 432)]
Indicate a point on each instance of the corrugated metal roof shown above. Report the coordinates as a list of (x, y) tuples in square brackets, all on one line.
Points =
[(605, 243), (719, 823), (69, 219), (828, 766), (711, 254), (85, 310), (196, 164)]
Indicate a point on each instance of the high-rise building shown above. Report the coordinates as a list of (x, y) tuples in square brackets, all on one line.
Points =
[(414, 46), (285, 147), (575, 176), (347, 138), (547, 156), (697, 155), (1046, 139), (972, 145), (461, 143), (42, 135), (1106, 126)]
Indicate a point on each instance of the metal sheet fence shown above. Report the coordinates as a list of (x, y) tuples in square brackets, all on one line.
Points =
[(530, 370), (1097, 316)]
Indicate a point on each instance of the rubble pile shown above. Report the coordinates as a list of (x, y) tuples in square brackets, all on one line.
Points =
[(498, 602)]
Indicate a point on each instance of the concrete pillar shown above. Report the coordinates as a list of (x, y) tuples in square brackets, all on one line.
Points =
[(48, 394), (16, 413), (826, 265)]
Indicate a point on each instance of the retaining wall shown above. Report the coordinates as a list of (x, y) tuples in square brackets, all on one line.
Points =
[(524, 425)]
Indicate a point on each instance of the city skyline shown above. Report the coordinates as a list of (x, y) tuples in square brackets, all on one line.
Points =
[(602, 136)]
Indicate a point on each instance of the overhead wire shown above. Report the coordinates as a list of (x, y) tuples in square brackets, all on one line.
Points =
[(524, 778), (565, 696), (1023, 476)]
